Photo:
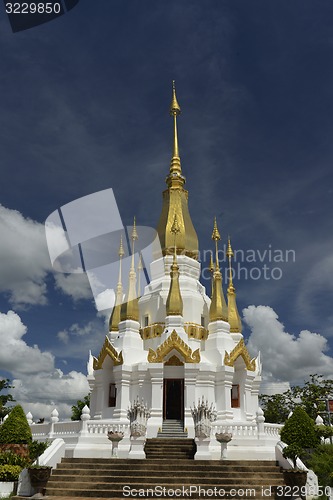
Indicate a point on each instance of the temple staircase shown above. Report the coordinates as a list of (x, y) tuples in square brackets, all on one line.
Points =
[(172, 429)]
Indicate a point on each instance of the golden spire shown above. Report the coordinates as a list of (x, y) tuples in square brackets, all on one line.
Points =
[(175, 201), (218, 307), (175, 166), (212, 268), (174, 303), (139, 269), (130, 308), (233, 315), (115, 315)]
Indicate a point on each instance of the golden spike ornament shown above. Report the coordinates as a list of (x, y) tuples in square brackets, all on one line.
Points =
[(174, 303), (130, 308), (233, 315), (218, 308), (116, 312)]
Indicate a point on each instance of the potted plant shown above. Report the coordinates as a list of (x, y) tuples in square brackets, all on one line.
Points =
[(9, 475), (295, 476), (39, 474)]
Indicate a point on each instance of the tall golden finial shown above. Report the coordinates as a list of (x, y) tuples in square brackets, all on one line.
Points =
[(216, 237), (174, 303), (175, 199), (175, 166), (218, 307), (233, 315), (116, 313), (130, 308)]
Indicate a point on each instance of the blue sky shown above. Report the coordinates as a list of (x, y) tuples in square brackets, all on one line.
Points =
[(84, 107)]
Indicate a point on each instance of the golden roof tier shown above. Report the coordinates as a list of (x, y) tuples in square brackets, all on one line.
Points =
[(175, 202)]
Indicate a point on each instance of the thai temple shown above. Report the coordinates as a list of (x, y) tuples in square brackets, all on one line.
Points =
[(174, 363), (173, 347)]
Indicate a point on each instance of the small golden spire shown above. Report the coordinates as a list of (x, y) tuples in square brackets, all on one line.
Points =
[(174, 303), (139, 269), (218, 307), (175, 166), (115, 315), (212, 269), (233, 315), (130, 308)]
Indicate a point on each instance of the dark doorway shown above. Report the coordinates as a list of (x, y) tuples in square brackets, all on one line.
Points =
[(173, 399)]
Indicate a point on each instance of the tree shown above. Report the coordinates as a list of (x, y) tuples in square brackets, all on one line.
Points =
[(5, 398), (311, 396), (77, 409), (15, 430), (300, 430)]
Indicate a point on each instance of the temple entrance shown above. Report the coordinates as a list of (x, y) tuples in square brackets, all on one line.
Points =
[(173, 399)]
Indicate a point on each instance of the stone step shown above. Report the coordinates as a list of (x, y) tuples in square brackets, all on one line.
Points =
[(165, 465), (147, 462), (255, 492), (103, 482), (91, 474)]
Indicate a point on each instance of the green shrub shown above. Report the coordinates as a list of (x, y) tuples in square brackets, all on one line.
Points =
[(9, 472), (10, 458), (15, 430), (37, 448), (292, 451), (324, 431), (300, 429), (321, 462)]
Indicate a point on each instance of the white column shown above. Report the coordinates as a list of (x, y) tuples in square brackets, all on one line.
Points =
[(223, 393), (122, 380), (189, 397), (156, 412)]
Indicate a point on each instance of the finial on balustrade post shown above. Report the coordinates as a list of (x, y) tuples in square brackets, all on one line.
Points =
[(29, 418)]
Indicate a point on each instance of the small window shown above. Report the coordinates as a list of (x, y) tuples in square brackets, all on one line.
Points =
[(203, 321), (146, 320), (235, 400), (112, 395)]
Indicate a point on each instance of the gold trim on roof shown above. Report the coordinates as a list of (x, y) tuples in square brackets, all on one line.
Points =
[(174, 342), (240, 350), (195, 331), (108, 350), (152, 331), (174, 361)]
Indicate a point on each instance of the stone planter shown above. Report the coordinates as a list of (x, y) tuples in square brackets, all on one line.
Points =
[(115, 437), (39, 477), (223, 438), (7, 487), (296, 481)]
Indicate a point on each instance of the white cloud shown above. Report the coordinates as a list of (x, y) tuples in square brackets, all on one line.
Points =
[(75, 285), (24, 259), (286, 357), (15, 354), (80, 339), (44, 391), (38, 385)]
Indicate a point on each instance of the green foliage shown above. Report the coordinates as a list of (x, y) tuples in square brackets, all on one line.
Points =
[(321, 462), (276, 408), (37, 448), (300, 429), (292, 451), (16, 428), (10, 458), (77, 409), (5, 398), (9, 472), (324, 431), (311, 396)]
